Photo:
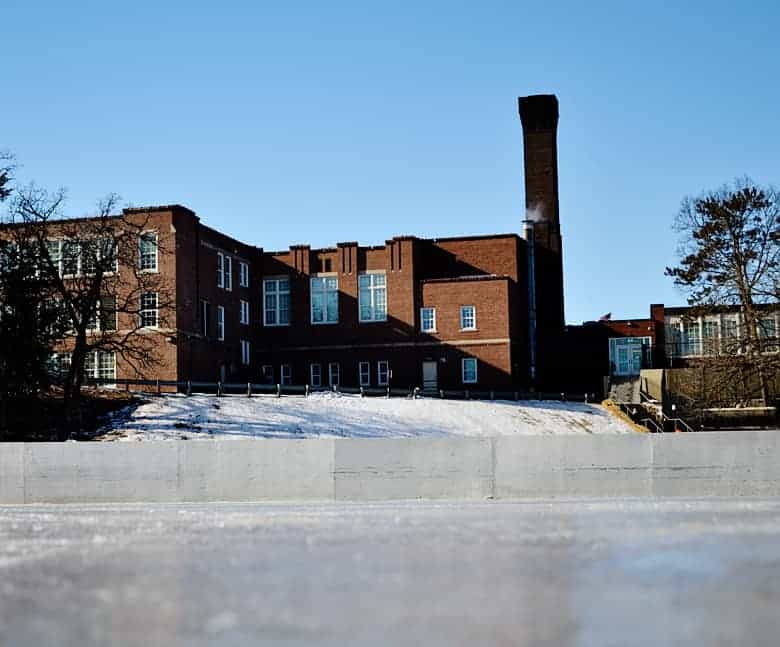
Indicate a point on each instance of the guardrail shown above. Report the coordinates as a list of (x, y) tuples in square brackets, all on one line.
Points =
[(190, 387)]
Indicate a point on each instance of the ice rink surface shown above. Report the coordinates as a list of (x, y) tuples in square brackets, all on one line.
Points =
[(573, 572)]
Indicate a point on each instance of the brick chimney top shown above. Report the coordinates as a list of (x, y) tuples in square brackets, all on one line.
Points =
[(539, 112)]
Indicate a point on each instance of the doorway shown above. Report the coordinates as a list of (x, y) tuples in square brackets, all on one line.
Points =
[(430, 376)]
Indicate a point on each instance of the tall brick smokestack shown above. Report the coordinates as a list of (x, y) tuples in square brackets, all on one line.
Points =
[(539, 116), (542, 231)]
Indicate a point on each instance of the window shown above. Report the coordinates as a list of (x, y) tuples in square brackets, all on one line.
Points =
[(286, 372), (268, 374), (710, 330), (767, 331), (428, 319), (105, 314), (221, 323), (334, 373), (364, 368), (148, 252), (58, 365), (315, 374), (245, 312), (243, 274), (100, 365), (383, 373), (204, 318), (373, 296), (149, 311), (468, 318), (245, 352), (469, 370), (691, 338), (276, 300), (70, 258), (228, 273), (220, 270), (108, 254), (53, 247), (324, 300)]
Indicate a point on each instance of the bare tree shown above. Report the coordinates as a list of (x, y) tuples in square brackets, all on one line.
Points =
[(105, 286), (730, 256)]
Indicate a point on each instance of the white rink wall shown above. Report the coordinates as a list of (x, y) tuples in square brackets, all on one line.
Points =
[(704, 464)]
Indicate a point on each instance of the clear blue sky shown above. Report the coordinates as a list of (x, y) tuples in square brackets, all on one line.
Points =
[(317, 122)]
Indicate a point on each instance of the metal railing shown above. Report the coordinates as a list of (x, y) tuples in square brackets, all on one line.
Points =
[(249, 389)]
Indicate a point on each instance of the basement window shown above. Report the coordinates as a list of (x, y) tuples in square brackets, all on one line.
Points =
[(469, 370)]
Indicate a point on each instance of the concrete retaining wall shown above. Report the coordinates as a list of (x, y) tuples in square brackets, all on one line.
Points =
[(707, 464)]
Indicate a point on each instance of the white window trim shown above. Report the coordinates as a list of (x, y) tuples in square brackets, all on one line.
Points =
[(156, 310), (323, 275), (285, 374), (371, 291), (463, 370), (156, 268), (311, 375), (331, 366), (221, 323), (246, 352), (472, 327), (278, 293), (367, 375), (244, 317), (228, 273), (204, 319), (379, 379), (220, 270), (422, 319), (243, 274)]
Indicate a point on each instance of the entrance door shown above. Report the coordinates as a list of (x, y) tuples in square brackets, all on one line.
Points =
[(626, 354), (430, 376)]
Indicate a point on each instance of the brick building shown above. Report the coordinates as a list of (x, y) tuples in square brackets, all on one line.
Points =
[(671, 337), (481, 312)]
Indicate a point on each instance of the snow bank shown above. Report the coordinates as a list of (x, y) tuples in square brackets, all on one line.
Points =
[(329, 415)]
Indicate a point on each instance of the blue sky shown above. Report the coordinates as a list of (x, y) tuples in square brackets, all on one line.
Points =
[(320, 122)]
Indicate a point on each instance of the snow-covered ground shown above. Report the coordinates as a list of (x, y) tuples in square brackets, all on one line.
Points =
[(330, 415)]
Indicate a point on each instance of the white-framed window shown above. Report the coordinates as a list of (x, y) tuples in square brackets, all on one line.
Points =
[(268, 374), (364, 370), (244, 312), (276, 301), (334, 373), (243, 274), (428, 319), (104, 317), (468, 368), (147, 251), (286, 374), (100, 365), (383, 373), (324, 299), (205, 311), (221, 323), (245, 352), (372, 296), (228, 273), (150, 315), (71, 257), (315, 374), (220, 270), (468, 317), (58, 365), (767, 332)]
